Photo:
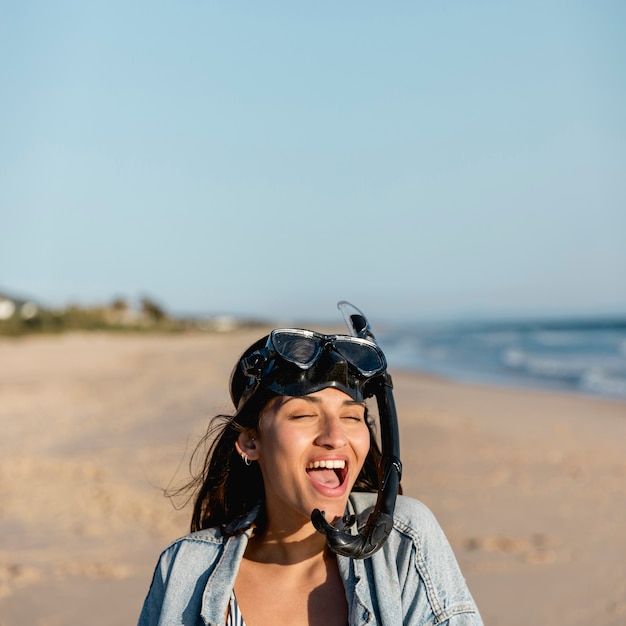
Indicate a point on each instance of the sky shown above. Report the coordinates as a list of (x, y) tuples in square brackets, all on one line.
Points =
[(424, 159)]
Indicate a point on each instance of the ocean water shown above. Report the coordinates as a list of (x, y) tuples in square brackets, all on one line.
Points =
[(587, 356)]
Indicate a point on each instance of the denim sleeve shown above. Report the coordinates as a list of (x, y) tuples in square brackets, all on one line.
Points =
[(175, 595), (151, 611), (433, 589)]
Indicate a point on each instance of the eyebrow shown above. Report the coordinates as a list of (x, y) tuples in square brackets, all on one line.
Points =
[(348, 402)]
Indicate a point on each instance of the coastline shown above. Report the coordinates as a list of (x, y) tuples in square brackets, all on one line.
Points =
[(529, 486)]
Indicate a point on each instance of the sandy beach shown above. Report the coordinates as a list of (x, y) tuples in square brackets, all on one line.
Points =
[(530, 487)]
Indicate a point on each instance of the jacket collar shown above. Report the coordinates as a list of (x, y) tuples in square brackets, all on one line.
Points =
[(242, 523)]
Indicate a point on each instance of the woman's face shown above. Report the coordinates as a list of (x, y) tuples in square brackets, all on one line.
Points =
[(310, 450)]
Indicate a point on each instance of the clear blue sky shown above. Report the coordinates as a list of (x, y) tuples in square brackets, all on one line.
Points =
[(419, 158)]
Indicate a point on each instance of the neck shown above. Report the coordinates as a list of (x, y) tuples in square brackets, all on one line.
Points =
[(284, 546)]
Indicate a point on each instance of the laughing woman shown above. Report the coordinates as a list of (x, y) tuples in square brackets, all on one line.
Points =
[(299, 454)]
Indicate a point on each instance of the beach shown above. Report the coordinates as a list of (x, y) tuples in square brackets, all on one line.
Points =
[(529, 486)]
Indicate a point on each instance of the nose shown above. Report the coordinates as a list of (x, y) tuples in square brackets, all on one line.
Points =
[(331, 434)]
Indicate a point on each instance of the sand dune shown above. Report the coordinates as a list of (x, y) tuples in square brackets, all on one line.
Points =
[(529, 486)]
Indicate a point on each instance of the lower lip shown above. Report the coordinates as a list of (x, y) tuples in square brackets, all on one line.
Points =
[(329, 492)]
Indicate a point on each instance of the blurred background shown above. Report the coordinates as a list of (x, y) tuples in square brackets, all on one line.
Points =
[(455, 169)]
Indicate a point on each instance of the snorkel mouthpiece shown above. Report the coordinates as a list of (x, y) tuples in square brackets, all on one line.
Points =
[(361, 546), (296, 362)]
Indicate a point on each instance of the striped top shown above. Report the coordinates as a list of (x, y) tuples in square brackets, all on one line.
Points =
[(234, 613)]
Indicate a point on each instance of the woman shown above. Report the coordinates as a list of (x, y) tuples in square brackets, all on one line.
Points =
[(299, 453)]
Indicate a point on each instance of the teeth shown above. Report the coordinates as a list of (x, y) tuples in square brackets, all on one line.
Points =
[(330, 464)]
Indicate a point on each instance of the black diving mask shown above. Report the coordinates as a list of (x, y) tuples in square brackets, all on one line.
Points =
[(297, 362)]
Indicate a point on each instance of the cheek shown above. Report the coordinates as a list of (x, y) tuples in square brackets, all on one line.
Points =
[(361, 443), (280, 450)]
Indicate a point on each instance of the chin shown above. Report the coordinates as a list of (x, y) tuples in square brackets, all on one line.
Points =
[(332, 510)]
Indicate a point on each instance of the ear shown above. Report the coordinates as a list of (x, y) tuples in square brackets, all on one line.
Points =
[(247, 444)]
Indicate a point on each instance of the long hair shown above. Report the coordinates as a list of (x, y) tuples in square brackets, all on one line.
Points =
[(227, 489)]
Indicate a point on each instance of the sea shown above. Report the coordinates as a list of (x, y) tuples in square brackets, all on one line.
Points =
[(578, 356)]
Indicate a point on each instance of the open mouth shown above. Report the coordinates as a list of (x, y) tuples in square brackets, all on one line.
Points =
[(330, 473)]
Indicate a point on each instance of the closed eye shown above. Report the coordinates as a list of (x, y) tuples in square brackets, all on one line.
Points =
[(356, 418), (299, 416)]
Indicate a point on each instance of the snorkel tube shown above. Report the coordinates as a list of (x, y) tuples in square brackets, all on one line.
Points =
[(376, 530)]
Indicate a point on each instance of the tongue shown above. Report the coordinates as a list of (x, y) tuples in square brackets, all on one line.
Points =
[(326, 477)]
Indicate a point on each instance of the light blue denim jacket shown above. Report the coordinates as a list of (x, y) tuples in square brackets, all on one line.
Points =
[(413, 579)]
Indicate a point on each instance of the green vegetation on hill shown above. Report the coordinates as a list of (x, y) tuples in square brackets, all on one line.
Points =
[(22, 318)]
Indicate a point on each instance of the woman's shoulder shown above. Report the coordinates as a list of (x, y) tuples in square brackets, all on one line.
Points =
[(413, 522), (417, 553), (217, 535), (183, 574), (214, 534), (207, 540)]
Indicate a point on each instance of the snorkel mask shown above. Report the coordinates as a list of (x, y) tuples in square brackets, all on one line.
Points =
[(296, 362)]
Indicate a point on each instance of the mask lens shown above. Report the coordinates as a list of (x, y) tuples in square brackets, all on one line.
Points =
[(363, 356), (299, 349)]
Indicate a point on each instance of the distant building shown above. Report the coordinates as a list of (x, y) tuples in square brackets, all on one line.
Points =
[(10, 306), (7, 308)]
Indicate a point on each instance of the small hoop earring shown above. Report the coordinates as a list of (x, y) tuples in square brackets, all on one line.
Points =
[(245, 459)]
